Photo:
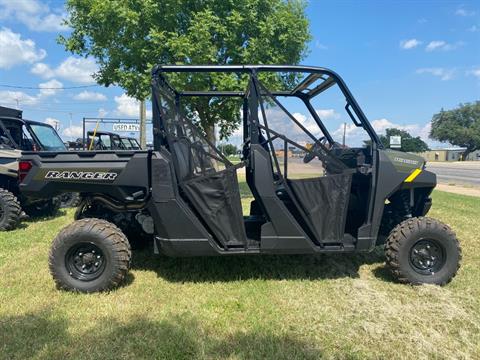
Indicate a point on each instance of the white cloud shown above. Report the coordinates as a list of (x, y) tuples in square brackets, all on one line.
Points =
[(90, 96), (409, 44), (442, 73), (73, 131), (128, 106), (474, 28), (50, 88), (442, 45), (102, 113), (320, 46), (53, 122), (381, 125), (355, 135), (14, 50), (474, 72), (464, 12), (10, 98), (42, 70), (36, 15), (79, 70), (325, 114)]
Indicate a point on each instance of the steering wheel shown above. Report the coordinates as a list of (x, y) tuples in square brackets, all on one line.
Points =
[(309, 156)]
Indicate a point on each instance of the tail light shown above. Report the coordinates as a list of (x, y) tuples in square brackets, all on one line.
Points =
[(23, 169)]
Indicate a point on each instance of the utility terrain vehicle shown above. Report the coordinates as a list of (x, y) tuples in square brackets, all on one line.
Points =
[(17, 134), (104, 140), (317, 185)]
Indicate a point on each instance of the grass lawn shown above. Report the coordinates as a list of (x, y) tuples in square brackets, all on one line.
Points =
[(337, 306)]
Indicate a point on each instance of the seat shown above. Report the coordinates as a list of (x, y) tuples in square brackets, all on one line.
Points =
[(183, 156)]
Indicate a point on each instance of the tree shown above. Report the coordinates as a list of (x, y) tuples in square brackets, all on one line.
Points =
[(460, 126), (127, 38), (409, 143), (229, 149)]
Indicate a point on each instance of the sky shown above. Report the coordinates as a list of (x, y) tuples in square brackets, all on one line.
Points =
[(403, 61)]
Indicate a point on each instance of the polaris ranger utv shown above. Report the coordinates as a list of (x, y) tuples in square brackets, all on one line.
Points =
[(310, 193), (17, 134), (105, 140)]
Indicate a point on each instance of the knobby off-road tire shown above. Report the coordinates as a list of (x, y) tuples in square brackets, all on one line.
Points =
[(423, 251), (89, 255), (10, 210)]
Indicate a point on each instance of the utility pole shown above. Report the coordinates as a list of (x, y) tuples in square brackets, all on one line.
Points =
[(344, 131), (70, 125), (143, 125)]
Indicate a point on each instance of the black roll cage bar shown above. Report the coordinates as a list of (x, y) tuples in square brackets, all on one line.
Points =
[(329, 78)]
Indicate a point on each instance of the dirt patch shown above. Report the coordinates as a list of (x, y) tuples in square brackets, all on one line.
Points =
[(456, 189)]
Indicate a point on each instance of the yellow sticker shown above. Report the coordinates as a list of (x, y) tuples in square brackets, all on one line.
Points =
[(413, 175)]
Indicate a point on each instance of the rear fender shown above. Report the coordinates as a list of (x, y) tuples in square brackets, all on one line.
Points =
[(122, 175)]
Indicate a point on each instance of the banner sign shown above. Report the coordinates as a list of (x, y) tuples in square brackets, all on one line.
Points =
[(126, 127)]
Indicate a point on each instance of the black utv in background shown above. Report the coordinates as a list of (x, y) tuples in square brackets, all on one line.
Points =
[(17, 134), (310, 193)]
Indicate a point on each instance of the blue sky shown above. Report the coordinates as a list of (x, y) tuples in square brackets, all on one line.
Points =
[(403, 61)]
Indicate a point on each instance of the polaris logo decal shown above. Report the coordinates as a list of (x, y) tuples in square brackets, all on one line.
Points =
[(81, 175), (406, 161)]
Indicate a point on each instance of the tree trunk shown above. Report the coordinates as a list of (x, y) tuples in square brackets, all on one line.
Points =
[(210, 132), (466, 153), (143, 125)]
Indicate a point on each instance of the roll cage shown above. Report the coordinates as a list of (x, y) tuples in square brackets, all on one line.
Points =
[(322, 78), (284, 208)]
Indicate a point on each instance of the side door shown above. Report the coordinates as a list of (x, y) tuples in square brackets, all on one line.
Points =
[(207, 180), (312, 175)]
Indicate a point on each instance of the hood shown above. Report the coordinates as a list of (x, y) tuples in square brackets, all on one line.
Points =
[(10, 153), (403, 161)]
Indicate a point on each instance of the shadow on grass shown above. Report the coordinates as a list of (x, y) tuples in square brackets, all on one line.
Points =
[(234, 268), (35, 218), (46, 335)]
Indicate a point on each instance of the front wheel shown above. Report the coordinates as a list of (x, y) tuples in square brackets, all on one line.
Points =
[(89, 255), (423, 251)]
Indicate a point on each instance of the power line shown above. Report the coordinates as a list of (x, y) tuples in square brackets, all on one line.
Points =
[(47, 88)]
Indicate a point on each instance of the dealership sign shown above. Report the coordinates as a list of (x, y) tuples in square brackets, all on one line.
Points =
[(126, 127), (395, 142)]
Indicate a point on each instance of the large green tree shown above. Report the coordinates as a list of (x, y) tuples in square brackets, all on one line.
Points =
[(409, 143), (460, 126), (128, 37)]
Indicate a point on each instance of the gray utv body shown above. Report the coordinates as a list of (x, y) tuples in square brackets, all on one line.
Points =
[(185, 196)]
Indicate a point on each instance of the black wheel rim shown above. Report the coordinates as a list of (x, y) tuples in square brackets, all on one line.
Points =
[(85, 261), (427, 256)]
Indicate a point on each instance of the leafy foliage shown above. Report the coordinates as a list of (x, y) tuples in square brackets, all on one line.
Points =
[(229, 149), (409, 143), (460, 126), (127, 38)]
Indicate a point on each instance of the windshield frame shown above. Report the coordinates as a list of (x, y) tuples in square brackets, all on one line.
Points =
[(30, 127)]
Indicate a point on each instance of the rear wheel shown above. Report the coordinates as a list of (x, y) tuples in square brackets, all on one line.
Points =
[(90, 255), (423, 250), (10, 210)]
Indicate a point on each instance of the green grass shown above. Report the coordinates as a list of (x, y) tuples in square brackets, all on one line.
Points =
[(271, 307)]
